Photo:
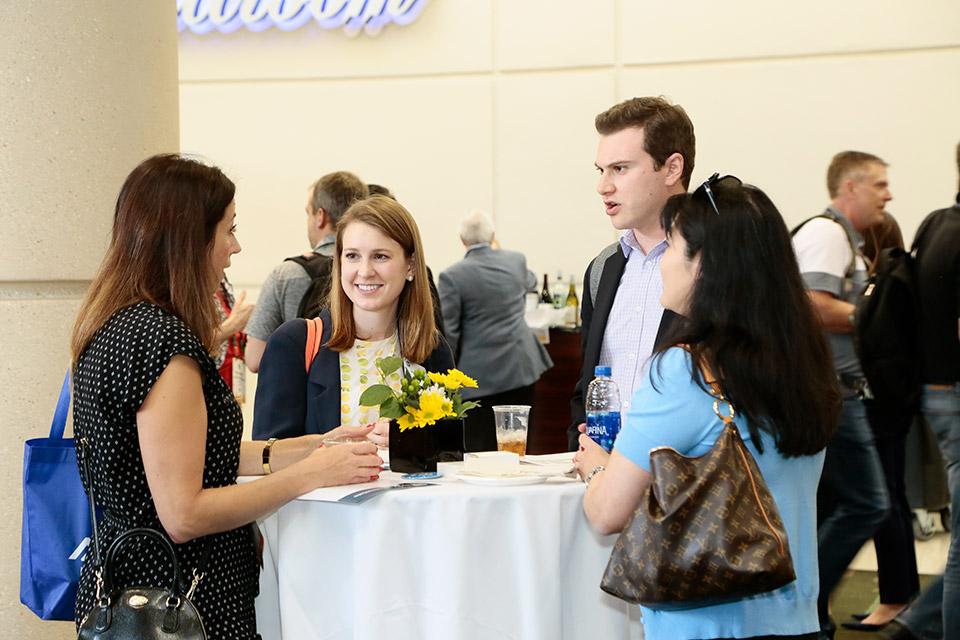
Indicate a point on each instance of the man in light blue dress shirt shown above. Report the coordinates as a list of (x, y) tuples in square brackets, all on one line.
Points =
[(645, 155)]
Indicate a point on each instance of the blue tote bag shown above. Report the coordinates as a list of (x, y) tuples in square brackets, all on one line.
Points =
[(56, 520)]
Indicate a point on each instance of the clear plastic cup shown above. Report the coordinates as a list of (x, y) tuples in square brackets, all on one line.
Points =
[(511, 422)]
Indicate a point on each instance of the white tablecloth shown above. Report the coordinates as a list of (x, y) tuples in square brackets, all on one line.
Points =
[(447, 561)]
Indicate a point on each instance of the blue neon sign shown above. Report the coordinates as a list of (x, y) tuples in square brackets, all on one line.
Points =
[(226, 16)]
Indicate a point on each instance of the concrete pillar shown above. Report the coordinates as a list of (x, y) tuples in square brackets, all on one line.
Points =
[(87, 90)]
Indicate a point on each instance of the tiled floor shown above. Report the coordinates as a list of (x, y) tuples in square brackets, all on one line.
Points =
[(931, 555), (858, 592)]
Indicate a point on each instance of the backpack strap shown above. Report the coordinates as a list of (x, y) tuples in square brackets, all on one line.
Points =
[(314, 337), (312, 263), (319, 268), (854, 252)]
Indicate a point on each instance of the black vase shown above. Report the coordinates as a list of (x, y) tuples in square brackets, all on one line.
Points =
[(420, 449)]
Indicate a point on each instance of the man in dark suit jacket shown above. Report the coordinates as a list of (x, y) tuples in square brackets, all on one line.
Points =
[(645, 156), (483, 300)]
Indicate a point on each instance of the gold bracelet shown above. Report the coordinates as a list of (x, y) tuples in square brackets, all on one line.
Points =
[(266, 455)]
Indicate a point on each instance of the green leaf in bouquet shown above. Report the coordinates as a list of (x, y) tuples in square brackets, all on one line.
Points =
[(389, 364), (391, 408), (376, 395), (466, 406)]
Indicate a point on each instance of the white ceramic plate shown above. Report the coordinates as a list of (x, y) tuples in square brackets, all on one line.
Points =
[(502, 481)]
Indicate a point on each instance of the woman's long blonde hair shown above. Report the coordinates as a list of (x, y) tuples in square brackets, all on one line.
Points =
[(416, 326)]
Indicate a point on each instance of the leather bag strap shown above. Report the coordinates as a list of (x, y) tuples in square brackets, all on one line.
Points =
[(728, 423), (108, 567), (82, 454)]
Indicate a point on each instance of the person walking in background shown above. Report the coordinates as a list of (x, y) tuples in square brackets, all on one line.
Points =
[(748, 325), (380, 306), (483, 298), (162, 427), (645, 155), (890, 423), (284, 288), (936, 613), (853, 495)]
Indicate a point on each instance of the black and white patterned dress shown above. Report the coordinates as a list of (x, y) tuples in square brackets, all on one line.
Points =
[(112, 379)]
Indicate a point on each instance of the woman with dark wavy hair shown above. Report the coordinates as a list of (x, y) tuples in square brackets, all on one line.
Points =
[(730, 272), (162, 427)]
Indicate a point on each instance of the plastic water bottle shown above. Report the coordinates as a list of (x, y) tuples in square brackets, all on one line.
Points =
[(603, 408)]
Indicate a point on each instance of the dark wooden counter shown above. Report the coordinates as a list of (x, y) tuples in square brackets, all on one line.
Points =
[(550, 414)]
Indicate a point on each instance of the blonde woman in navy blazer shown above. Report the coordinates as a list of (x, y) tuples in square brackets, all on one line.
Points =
[(383, 288)]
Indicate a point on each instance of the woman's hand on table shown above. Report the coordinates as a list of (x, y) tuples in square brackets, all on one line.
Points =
[(381, 432), (589, 456), (344, 431), (348, 463), (613, 494)]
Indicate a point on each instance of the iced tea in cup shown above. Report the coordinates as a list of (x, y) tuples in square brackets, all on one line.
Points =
[(511, 421)]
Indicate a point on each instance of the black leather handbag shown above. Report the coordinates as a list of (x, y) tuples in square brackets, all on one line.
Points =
[(139, 613)]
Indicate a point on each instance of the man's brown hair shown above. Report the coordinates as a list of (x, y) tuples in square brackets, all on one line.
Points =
[(846, 163), (335, 192), (666, 129)]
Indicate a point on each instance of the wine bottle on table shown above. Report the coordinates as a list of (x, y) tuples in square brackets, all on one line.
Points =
[(573, 304), (559, 291), (545, 297)]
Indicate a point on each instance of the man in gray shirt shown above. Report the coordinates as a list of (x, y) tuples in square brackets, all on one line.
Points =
[(328, 198), (852, 497)]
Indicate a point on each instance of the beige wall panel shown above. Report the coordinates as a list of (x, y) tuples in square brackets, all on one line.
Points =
[(547, 34), (547, 205), (653, 32), (447, 37), (70, 83), (87, 90), (778, 123), (34, 344), (428, 140)]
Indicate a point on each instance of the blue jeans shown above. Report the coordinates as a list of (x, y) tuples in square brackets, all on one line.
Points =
[(852, 498), (936, 613)]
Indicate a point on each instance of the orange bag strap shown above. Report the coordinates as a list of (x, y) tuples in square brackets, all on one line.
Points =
[(314, 336)]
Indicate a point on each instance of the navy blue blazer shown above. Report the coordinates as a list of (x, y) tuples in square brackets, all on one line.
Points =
[(293, 402)]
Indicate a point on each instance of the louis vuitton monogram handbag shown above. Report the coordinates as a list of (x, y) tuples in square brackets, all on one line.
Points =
[(707, 530)]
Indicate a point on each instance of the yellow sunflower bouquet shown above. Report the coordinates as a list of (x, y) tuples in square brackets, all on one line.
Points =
[(423, 398)]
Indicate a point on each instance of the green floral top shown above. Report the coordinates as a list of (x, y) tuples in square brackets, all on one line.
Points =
[(358, 370)]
